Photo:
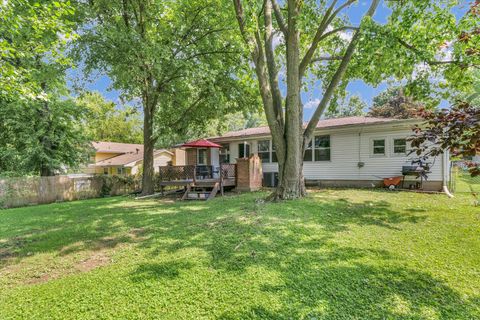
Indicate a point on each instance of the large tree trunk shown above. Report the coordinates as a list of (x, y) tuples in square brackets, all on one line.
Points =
[(289, 136), (148, 148), (291, 183)]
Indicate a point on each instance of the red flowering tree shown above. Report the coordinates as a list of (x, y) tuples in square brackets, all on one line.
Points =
[(456, 129)]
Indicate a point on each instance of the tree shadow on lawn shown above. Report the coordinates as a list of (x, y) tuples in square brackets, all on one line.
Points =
[(292, 239), (71, 227), (361, 292)]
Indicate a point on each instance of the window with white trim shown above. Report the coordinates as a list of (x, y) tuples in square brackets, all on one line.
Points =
[(400, 146), (243, 150), (224, 153), (263, 150), (201, 156), (322, 148), (378, 147), (319, 150)]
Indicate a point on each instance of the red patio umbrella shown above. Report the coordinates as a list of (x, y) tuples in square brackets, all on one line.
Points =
[(201, 143)]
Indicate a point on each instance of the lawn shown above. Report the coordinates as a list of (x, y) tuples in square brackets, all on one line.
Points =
[(339, 254)]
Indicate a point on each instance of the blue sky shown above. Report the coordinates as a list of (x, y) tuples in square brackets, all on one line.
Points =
[(102, 83)]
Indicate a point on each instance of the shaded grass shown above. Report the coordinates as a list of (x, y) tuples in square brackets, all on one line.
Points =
[(338, 254)]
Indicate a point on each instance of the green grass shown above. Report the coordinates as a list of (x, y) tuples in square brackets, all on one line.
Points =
[(339, 254), (466, 183)]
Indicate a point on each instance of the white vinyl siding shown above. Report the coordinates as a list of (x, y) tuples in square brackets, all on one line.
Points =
[(348, 148), (160, 160)]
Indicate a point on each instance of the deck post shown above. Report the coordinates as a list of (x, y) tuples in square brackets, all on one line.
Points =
[(194, 174)]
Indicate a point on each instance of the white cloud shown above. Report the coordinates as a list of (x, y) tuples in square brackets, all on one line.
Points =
[(311, 104)]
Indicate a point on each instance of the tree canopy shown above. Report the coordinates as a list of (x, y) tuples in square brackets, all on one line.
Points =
[(40, 129), (105, 122), (181, 60), (347, 107), (394, 103)]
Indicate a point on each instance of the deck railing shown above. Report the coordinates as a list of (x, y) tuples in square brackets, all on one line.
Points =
[(201, 172), (228, 170)]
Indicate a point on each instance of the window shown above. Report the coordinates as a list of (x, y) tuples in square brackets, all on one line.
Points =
[(322, 148), (201, 156), (105, 171), (224, 153), (120, 170), (264, 150), (399, 146), (243, 150), (378, 147), (308, 156), (319, 150)]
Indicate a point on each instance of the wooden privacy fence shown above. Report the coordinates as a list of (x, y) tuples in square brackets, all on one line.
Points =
[(17, 192)]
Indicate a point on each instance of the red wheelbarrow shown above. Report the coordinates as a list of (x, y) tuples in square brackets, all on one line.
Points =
[(392, 182)]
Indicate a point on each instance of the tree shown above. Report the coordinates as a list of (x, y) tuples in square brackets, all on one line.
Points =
[(393, 103), (32, 35), (354, 106), (311, 40), (179, 58), (456, 129), (39, 133), (104, 122), (35, 141)]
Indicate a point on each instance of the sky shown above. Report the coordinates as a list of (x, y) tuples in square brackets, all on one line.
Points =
[(102, 83)]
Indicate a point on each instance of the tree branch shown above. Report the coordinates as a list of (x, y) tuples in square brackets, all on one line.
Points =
[(418, 52), (279, 17), (327, 58), (271, 65), (259, 59), (337, 77), (319, 35)]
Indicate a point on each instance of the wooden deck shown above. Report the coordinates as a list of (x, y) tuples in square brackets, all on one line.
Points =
[(202, 181)]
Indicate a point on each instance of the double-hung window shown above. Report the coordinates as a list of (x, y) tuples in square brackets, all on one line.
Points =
[(263, 150), (378, 147), (399, 146), (224, 153), (318, 149), (201, 156), (243, 150), (322, 148)]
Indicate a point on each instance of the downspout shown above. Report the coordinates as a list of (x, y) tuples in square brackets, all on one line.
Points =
[(445, 173)]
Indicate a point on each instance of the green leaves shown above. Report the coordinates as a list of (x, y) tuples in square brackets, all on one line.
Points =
[(184, 57), (31, 39)]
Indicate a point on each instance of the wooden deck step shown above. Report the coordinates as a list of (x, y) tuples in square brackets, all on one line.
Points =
[(214, 191), (192, 194)]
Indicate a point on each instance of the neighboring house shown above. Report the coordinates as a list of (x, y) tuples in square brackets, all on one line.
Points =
[(113, 158), (352, 151)]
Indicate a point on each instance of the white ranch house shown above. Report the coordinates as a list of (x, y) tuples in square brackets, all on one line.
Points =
[(347, 152)]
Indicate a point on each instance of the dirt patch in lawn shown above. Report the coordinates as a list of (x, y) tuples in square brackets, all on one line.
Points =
[(77, 257), (97, 259)]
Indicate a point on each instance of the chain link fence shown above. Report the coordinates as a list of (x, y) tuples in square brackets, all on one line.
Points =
[(460, 179)]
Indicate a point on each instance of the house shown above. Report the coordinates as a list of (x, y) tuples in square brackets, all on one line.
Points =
[(346, 152), (113, 158)]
